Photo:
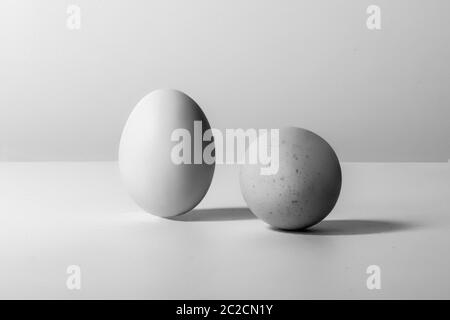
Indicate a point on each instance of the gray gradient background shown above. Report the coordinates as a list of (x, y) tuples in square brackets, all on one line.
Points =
[(374, 95)]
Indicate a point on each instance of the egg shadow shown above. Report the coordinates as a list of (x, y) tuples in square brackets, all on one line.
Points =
[(352, 227), (218, 214)]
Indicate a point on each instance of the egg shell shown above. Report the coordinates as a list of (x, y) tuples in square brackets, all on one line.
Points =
[(152, 179), (305, 188)]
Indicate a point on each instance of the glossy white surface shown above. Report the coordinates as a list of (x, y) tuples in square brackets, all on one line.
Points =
[(57, 214)]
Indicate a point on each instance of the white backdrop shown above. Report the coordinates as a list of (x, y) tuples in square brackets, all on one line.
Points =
[(374, 95)]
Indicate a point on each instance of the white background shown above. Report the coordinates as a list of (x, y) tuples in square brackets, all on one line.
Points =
[(374, 95)]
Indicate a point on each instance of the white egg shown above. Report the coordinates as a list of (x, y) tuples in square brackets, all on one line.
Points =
[(153, 179)]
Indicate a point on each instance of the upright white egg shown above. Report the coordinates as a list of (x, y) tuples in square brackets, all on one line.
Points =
[(155, 180)]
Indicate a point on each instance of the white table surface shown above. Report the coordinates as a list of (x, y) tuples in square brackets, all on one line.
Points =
[(53, 215)]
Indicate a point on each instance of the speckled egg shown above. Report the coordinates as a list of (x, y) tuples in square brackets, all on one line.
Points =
[(305, 188)]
